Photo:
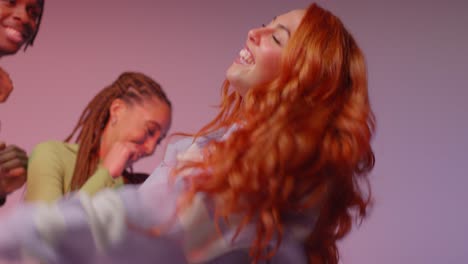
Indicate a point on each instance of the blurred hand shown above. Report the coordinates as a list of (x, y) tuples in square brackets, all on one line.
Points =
[(13, 165), (6, 86), (120, 156)]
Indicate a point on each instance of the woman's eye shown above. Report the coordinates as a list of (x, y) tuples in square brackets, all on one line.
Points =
[(34, 13), (138, 142), (150, 132), (275, 39)]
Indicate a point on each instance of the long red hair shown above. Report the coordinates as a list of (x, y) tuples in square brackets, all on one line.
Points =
[(304, 143)]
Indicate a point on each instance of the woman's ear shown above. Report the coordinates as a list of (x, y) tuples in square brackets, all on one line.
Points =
[(116, 109)]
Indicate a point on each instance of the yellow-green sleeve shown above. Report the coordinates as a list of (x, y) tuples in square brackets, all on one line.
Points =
[(45, 173), (50, 169), (99, 180)]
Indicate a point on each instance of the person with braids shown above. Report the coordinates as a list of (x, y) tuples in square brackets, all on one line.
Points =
[(19, 24), (277, 177), (123, 123)]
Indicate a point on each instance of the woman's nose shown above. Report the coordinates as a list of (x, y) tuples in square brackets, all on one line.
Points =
[(149, 146), (20, 13), (254, 35)]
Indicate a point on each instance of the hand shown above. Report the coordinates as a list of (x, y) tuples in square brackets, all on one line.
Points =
[(120, 156), (6, 86), (13, 165)]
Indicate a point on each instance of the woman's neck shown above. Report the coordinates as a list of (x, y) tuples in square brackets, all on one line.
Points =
[(105, 144)]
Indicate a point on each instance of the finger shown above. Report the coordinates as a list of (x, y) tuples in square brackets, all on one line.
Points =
[(126, 149), (130, 144), (134, 151), (16, 173), (14, 163), (8, 156), (10, 184), (12, 153), (15, 149)]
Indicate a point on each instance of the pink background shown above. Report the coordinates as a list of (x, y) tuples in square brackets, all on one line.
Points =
[(417, 55)]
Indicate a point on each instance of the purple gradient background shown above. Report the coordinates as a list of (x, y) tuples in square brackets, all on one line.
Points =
[(417, 55)]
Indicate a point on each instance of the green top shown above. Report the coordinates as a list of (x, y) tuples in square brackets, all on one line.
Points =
[(50, 170)]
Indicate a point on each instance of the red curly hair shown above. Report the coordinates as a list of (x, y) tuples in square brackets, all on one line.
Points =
[(304, 143)]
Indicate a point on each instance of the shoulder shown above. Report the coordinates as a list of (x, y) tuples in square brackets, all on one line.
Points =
[(175, 148), (290, 250), (54, 147)]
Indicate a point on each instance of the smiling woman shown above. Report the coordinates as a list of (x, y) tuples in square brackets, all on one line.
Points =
[(122, 124), (259, 60), (276, 177)]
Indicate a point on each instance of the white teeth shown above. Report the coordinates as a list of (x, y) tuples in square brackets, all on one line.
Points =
[(14, 34), (246, 56)]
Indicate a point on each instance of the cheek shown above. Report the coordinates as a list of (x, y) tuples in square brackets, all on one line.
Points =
[(34, 29), (268, 66), (128, 131), (122, 133), (134, 136)]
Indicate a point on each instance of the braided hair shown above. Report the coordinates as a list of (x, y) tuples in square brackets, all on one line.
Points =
[(131, 87), (38, 23)]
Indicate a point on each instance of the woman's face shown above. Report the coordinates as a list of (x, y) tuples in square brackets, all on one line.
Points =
[(258, 62), (18, 23), (144, 124)]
